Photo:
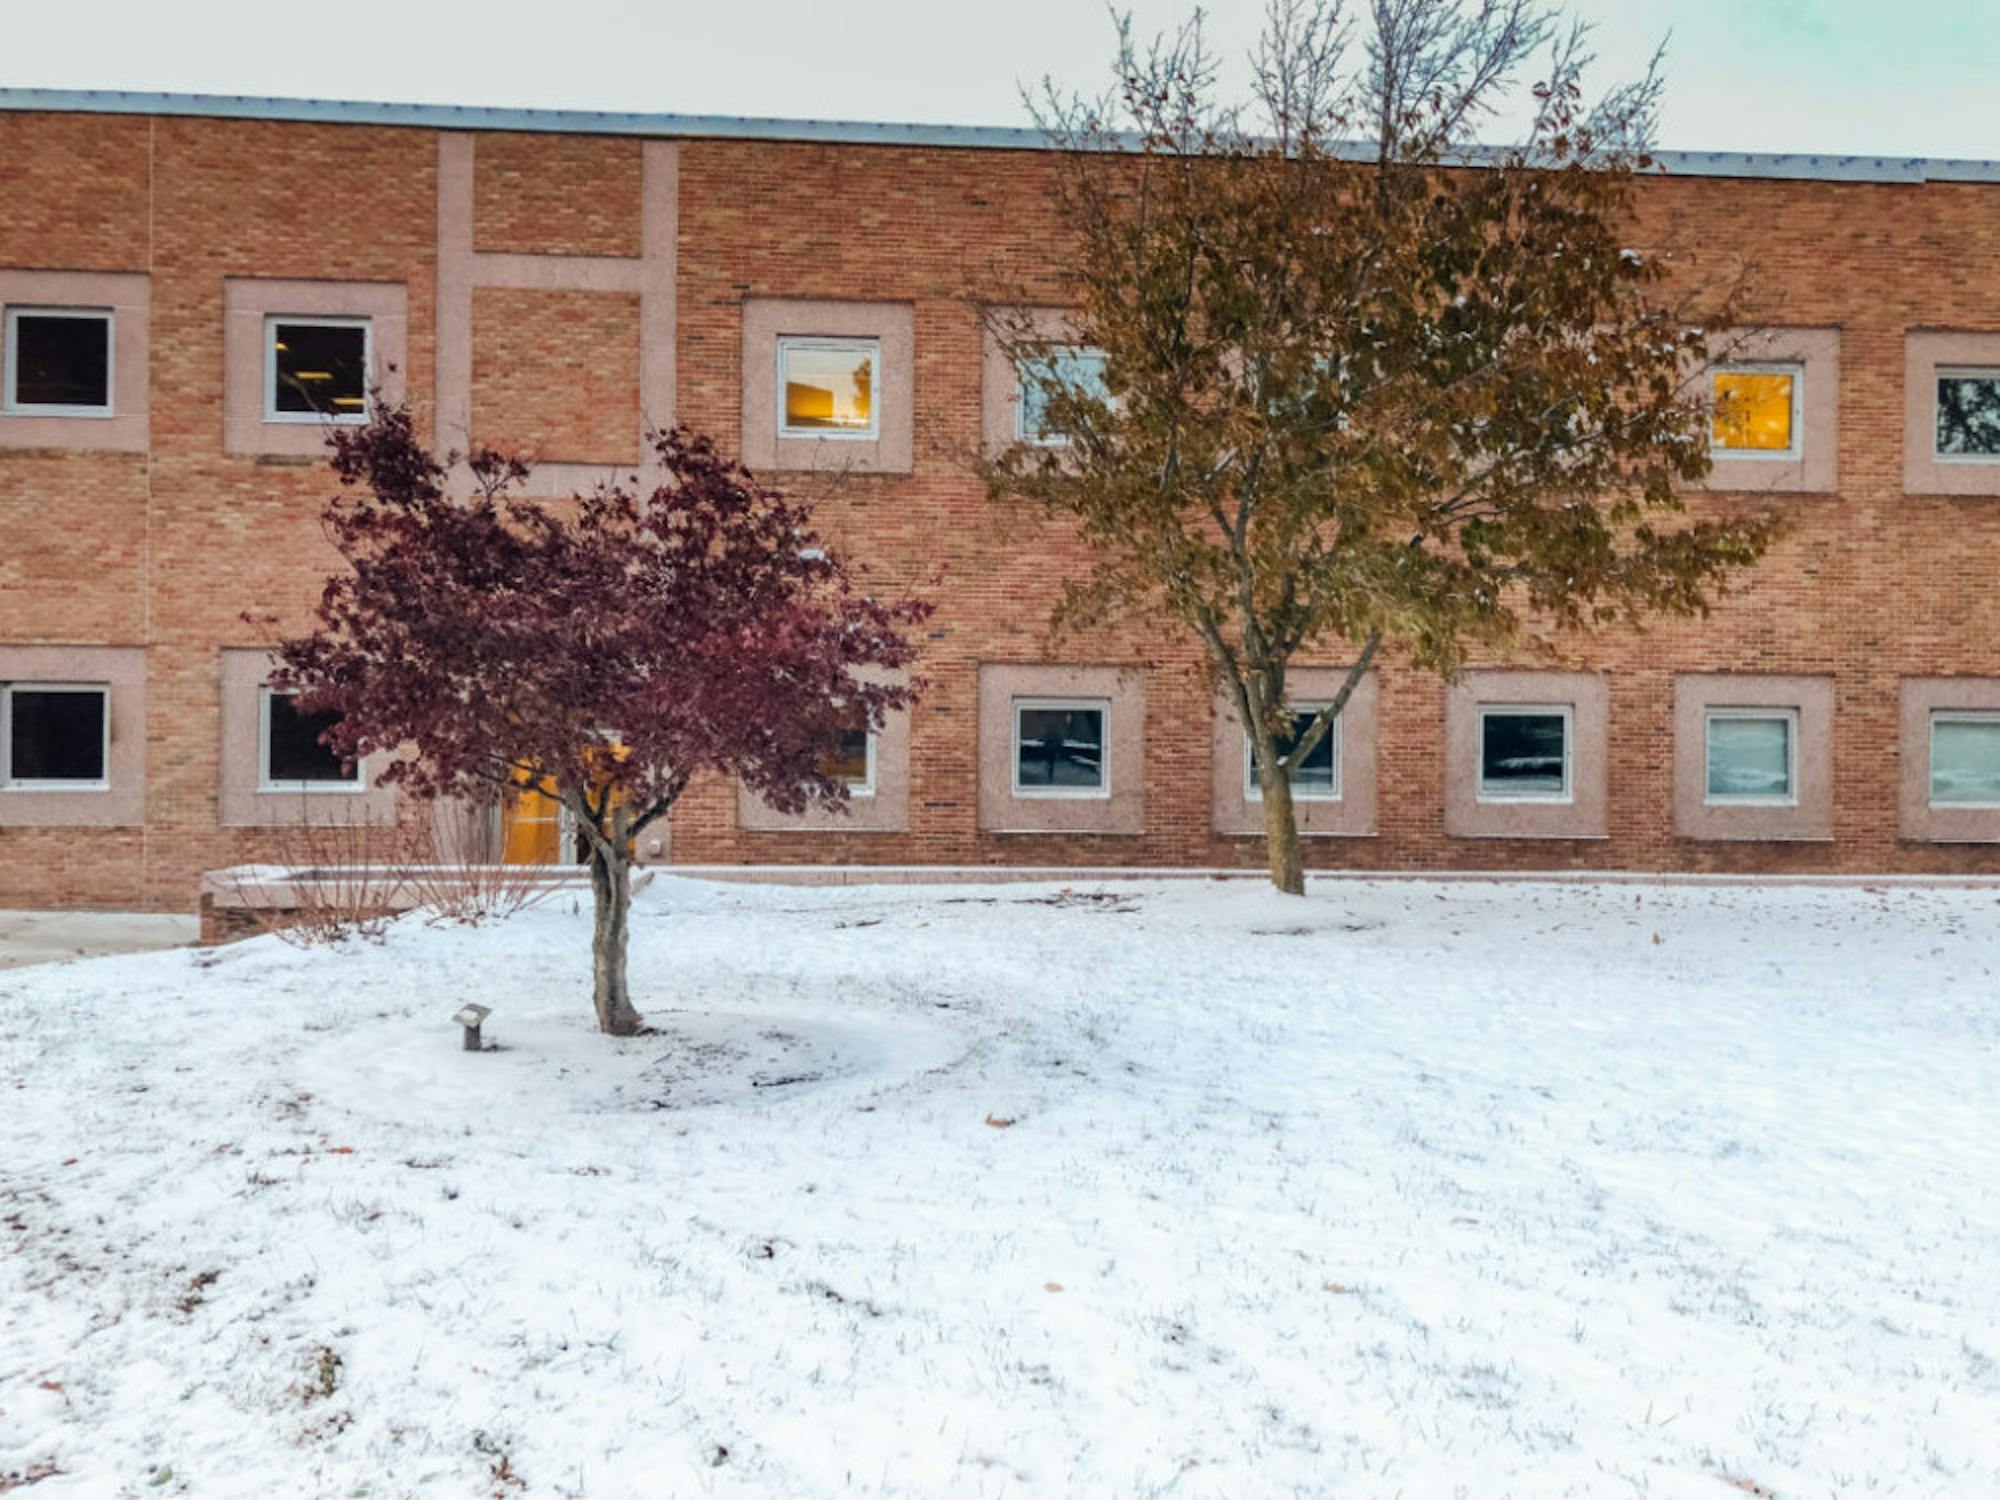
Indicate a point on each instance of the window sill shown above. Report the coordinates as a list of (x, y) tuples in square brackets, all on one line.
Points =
[(1758, 838), (1310, 833), (1538, 838), (1066, 833)]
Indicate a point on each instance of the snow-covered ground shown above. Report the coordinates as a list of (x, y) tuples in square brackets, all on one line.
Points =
[(1184, 1188)]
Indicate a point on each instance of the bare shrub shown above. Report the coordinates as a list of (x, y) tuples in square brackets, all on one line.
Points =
[(457, 878), (333, 879)]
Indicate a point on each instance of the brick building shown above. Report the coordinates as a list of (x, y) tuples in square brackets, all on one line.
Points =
[(182, 276)]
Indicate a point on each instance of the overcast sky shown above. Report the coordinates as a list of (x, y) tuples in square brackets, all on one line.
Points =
[(1896, 77)]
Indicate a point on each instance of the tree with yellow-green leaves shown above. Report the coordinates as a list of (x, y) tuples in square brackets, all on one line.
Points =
[(1354, 384)]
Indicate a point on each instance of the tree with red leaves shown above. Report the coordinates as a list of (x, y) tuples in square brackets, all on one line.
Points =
[(611, 646)]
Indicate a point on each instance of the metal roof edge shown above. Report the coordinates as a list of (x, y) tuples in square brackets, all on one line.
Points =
[(1801, 166)]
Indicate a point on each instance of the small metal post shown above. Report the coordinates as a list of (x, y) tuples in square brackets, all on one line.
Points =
[(471, 1017)]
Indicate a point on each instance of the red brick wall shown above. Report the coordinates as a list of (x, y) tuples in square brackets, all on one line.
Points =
[(169, 549)]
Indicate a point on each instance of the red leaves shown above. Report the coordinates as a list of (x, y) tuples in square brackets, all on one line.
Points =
[(703, 627)]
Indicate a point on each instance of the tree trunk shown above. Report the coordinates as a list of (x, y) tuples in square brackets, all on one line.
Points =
[(1281, 826), (611, 885)]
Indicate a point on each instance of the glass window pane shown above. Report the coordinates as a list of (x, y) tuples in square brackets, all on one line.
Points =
[(1523, 754), (1753, 411), (1968, 416), (1965, 760), (293, 752), (61, 359), (829, 387), (1749, 757), (1077, 370), (56, 734), (849, 763), (1315, 776), (320, 368), (1060, 747)]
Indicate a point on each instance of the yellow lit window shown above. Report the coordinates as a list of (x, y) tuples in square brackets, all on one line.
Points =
[(316, 369), (1753, 411), (828, 387), (853, 763)]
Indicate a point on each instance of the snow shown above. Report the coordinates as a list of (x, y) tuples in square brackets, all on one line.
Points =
[(1403, 1189)]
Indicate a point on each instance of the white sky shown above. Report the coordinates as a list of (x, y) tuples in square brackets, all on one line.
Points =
[(1892, 77)]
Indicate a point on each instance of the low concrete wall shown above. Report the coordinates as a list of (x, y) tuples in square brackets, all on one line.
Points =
[(245, 900)]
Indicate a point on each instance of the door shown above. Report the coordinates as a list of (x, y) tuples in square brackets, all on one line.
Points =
[(531, 822)]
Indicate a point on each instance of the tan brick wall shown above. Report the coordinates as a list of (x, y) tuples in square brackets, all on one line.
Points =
[(170, 549), (1870, 585), (74, 191), (555, 375), (555, 194)]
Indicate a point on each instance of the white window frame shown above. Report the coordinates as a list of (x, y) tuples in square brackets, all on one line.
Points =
[(45, 784), (1021, 433), (1796, 451), (301, 320), (1252, 792), (872, 433), (1567, 712), (1958, 372), (1062, 705), (1952, 716), (357, 783), (1790, 718), (8, 377)]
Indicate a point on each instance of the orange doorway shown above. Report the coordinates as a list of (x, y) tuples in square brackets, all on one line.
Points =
[(531, 822), (535, 828)]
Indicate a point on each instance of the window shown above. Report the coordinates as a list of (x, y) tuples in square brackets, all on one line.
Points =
[(291, 757), (58, 361), (1756, 410), (1968, 414), (1965, 759), (1752, 755), (1076, 369), (315, 369), (826, 387), (1059, 748), (852, 763), (54, 736), (1524, 754), (1317, 777)]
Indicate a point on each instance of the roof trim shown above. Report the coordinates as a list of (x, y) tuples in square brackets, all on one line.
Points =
[(1798, 166)]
